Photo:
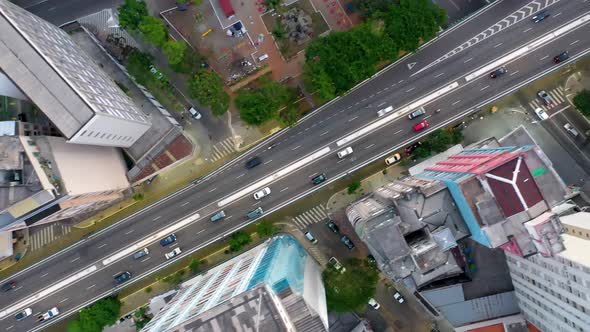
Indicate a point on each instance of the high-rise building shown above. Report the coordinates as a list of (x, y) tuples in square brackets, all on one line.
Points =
[(275, 286), (554, 292), (39, 61)]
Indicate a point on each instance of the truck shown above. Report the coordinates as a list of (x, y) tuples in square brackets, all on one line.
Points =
[(48, 315)]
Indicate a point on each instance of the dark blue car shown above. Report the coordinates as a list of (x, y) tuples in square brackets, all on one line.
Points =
[(168, 240)]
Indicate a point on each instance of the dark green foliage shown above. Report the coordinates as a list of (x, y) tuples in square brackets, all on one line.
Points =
[(260, 105), (138, 66), (352, 289), (95, 317), (195, 266), (174, 51), (191, 62), (154, 30), (207, 87), (582, 102), (369, 7), (265, 228), (353, 187), (238, 240), (131, 13)]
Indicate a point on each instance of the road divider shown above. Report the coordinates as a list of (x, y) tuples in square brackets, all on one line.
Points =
[(401, 112), (151, 239), (530, 47)]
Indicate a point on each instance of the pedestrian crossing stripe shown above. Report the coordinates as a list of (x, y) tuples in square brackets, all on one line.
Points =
[(48, 234), (311, 216), (558, 96), (223, 148)]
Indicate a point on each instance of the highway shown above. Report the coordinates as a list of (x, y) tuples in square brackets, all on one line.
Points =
[(445, 62)]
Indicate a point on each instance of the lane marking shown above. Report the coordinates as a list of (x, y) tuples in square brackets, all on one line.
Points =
[(11, 326), (400, 81), (575, 42), (183, 204), (144, 260), (439, 75), (226, 218), (268, 162), (75, 259), (44, 275), (90, 287), (284, 189), (356, 117), (543, 58), (212, 190), (295, 148), (513, 73), (156, 218), (455, 103), (383, 103), (201, 231), (17, 288), (397, 132), (64, 300), (102, 245), (370, 146), (129, 232), (467, 60), (557, 14), (427, 117), (498, 45), (527, 30), (411, 89), (485, 87), (324, 133), (239, 176)]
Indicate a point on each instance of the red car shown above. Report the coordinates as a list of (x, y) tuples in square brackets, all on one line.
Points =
[(420, 125)]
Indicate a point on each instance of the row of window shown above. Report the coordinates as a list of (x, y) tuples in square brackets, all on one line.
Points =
[(108, 136)]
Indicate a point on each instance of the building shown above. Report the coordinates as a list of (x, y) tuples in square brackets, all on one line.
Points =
[(275, 286), (553, 292), (41, 62), (514, 323)]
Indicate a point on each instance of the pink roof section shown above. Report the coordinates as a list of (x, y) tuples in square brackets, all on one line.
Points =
[(473, 163)]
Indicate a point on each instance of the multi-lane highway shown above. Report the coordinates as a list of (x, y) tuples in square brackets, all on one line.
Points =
[(457, 61)]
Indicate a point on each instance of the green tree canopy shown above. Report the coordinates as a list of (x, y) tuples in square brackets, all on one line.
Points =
[(154, 30), (191, 62), (262, 104), (352, 289), (95, 317), (265, 228), (367, 8), (582, 102), (174, 51), (195, 266), (238, 240), (207, 87), (131, 13)]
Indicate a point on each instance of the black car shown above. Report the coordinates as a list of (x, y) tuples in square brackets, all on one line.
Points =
[(498, 72), (121, 278), (253, 162), (411, 148), (332, 226), (319, 179), (168, 240), (538, 17), (9, 286), (561, 57), (347, 242)]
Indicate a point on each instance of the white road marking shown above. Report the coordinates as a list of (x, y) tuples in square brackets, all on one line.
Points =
[(17, 288), (75, 259), (212, 190), (201, 231), (144, 260), (131, 231), (513, 73), (64, 300), (311, 176), (543, 58), (557, 14), (439, 75), (353, 119), (324, 133), (226, 218), (426, 117), (527, 30), (383, 103), (498, 45), (43, 275), (267, 162), (284, 189), (455, 103), (239, 176), (400, 81), (410, 89), (295, 148), (485, 87), (102, 245), (339, 161), (467, 60), (256, 203), (575, 42), (91, 286), (11, 326), (370, 146), (397, 132)]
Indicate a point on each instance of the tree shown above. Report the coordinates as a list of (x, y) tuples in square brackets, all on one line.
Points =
[(195, 266), (154, 30), (238, 240), (191, 62), (131, 13), (353, 187), (174, 51), (352, 289), (265, 228), (582, 102), (260, 105), (369, 7), (95, 317), (272, 4), (138, 64), (207, 87)]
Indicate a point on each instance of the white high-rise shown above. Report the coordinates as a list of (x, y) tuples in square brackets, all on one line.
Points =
[(554, 292), (39, 61)]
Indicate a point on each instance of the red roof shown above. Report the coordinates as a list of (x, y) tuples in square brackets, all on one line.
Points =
[(227, 8)]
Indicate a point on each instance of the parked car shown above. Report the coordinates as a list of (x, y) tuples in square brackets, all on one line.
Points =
[(561, 57), (374, 304), (194, 113), (419, 112), (336, 264), (393, 159), (310, 237), (255, 213), (411, 148), (218, 216), (498, 72), (262, 193), (9, 286), (168, 240), (570, 129), (347, 242), (23, 314), (253, 162), (332, 226), (541, 114), (319, 179), (547, 100), (173, 253), (420, 126), (122, 277), (345, 152), (140, 254), (538, 17), (398, 297)]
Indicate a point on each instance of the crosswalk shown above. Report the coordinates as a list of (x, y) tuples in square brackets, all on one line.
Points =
[(311, 216), (558, 96), (41, 235), (223, 148)]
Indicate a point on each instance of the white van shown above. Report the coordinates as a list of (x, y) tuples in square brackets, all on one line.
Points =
[(262, 57), (311, 238), (194, 113), (345, 152)]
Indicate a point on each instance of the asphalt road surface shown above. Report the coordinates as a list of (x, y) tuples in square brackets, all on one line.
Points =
[(449, 61)]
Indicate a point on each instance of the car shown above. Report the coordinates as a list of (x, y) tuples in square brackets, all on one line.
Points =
[(384, 111), (547, 100), (319, 179), (570, 129), (48, 315), (420, 126), (538, 17), (345, 152), (156, 72), (262, 193), (411, 148), (122, 277), (23, 314), (374, 304), (9, 286), (419, 112), (398, 297), (168, 240), (218, 216), (347, 242), (498, 72), (393, 159), (173, 253), (310, 237), (332, 226), (194, 113), (541, 114), (140, 254), (255, 213), (253, 162), (561, 57), (336, 265)]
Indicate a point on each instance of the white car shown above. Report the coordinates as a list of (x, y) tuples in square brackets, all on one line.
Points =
[(374, 304), (262, 193), (393, 159), (336, 264), (384, 111), (345, 152), (399, 298), (48, 315), (173, 253), (541, 114), (23, 314)]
